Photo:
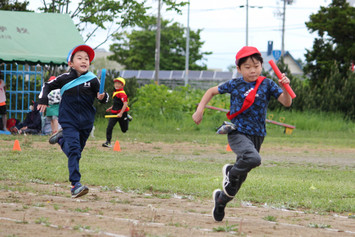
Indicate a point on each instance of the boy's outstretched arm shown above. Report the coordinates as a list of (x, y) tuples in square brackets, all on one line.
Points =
[(285, 99), (198, 115)]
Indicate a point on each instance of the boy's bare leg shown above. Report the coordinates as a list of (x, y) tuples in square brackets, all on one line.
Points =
[(54, 125)]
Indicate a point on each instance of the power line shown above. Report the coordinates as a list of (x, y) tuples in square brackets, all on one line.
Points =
[(241, 6), (259, 28)]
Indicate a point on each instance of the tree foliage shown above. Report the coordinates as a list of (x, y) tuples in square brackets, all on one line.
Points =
[(335, 94), (13, 5), (335, 26), (109, 15), (136, 50)]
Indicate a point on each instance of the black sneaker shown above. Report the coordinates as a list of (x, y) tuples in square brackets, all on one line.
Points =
[(55, 137), (79, 190), (106, 144), (218, 209), (229, 189)]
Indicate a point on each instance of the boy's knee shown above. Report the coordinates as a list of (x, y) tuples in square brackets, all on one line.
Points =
[(256, 161), (252, 160), (124, 129)]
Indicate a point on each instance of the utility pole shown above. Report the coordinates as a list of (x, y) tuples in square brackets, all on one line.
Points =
[(247, 20), (187, 45), (283, 30), (157, 47)]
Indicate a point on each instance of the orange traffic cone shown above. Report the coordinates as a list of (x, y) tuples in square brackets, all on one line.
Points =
[(117, 146), (228, 148), (16, 146)]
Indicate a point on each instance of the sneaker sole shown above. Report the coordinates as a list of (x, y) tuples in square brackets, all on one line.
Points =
[(54, 138), (82, 193), (214, 201), (224, 169)]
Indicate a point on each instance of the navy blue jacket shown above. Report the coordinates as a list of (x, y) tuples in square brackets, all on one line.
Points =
[(33, 119), (76, 107)]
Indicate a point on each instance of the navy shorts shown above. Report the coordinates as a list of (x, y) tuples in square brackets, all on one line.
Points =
[(3, 109)]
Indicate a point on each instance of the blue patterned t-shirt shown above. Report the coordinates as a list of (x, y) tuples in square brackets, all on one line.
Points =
[(252, 120)]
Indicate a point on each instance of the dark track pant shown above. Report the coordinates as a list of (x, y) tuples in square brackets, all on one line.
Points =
[(123, 121), (72, 144), (247, 148)]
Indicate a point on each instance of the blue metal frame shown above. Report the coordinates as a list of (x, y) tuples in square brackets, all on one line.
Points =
[(23, 77)]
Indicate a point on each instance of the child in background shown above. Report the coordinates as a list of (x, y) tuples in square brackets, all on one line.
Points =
[(119, 108), (249, 131), (79, 87), (3, 103), (52, 111), (31, 124)]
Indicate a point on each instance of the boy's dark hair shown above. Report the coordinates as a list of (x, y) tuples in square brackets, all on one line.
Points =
[(71, 57), (253, 57)]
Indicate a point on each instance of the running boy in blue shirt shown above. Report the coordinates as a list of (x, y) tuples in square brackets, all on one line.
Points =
[(79, 87), (249, 133)]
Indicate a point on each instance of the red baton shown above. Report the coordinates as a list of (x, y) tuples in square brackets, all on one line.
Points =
[(279, 75)]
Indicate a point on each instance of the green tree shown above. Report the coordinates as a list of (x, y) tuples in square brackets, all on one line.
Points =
[(231, 68), (335, 26), (13, 5), (136, 50), (109, 15)]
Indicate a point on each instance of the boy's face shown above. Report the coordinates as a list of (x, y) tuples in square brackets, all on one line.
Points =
[(118, 85), (250, 70), (80, 62)]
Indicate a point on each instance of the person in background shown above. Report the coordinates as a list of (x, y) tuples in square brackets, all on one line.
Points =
[(52, 111), (3, 104), (119, 108), (31, 124)]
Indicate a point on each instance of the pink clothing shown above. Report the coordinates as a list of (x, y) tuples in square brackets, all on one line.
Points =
[(2, 93)]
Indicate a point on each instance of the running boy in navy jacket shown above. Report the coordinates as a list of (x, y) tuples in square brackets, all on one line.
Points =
[(249, 131), (79, 87)]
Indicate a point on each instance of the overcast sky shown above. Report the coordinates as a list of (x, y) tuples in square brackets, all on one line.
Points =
[(224, 26)]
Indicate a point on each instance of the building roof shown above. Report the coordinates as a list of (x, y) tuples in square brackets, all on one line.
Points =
[(29, 37), (294, 70)]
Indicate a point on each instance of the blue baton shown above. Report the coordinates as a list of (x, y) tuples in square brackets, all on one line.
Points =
[(102, 81)]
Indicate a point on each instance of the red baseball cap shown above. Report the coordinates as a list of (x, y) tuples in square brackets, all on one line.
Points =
[(245, 52), (82, 47)]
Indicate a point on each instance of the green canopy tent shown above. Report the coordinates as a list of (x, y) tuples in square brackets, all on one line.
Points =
[(28, 41), (44, 38)]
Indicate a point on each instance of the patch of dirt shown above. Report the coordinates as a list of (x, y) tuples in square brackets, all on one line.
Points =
[(48, 210)]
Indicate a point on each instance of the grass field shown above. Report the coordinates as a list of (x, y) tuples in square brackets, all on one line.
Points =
[(310, 170)]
